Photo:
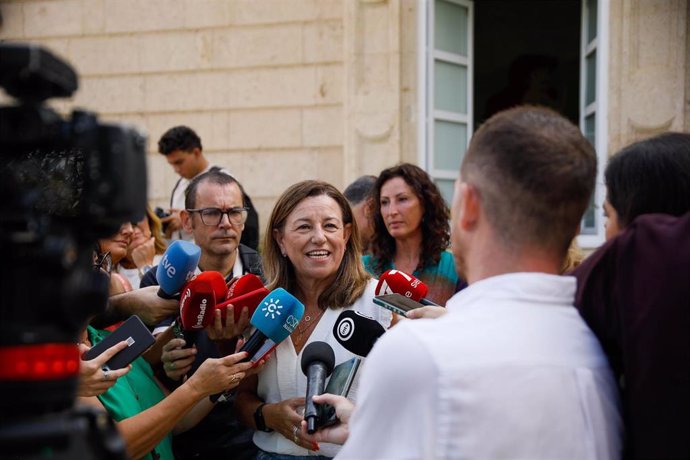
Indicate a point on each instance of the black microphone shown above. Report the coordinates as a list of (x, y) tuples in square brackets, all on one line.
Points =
[(318, 360), (356, 332)]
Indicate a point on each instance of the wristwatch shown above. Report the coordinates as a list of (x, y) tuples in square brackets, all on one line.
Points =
[(259, 419)]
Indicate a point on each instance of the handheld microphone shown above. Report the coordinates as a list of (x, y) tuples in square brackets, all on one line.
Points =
[(177, 265), (318, 360), (356, 332), (397, 282), (275, 318), (197, 305), (248, 291)]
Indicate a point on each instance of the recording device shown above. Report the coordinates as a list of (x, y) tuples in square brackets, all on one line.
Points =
[(339, 384), (248, 291), (276, 317), (395, 281), (198, 303), (65, 183), (161, 214), (137, 336), (357, 332), (176, 267), (396, 303), (318, 360)]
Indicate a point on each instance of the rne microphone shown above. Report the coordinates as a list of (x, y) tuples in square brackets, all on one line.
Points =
[(248, 291), (318, 360), (275, 318), (177, 265), (356, 332), (197, 304), (397, 282)]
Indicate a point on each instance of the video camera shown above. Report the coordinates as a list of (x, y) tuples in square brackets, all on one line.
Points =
[(64, 183)]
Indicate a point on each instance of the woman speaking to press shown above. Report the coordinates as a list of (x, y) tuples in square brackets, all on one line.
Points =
[(311, 249)]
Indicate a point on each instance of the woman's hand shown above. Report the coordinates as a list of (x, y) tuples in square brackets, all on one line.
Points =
[(338, 433), (177, 361), (219, 374), (93, 380), (143, 254), (284, 418), (217, 332)]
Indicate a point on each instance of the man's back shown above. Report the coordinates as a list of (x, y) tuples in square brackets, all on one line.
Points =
[(510, 372)]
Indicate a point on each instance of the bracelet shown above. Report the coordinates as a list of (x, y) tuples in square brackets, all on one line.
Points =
[(259, 419)]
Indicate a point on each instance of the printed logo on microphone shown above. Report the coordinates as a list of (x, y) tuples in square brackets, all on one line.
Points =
[(185, 297), (290, 324), (202, 313), (272, 308), (170, 270), (403, 274), (385, 289), (345, 329)]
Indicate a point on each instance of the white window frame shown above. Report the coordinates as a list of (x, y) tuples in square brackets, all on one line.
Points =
[(425, 96), (600, 107)]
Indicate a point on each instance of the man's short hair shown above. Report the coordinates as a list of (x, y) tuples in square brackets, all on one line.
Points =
[(535, 173), (360, 189), (179, 138), (214, 176)]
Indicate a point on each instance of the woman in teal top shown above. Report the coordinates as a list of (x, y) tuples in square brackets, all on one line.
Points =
[(147, 415), (411, 231)]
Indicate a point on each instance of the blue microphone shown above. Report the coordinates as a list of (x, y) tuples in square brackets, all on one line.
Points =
[(275, 318), (177, 265)]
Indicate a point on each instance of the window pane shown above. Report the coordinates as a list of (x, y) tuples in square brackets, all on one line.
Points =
[(590, 128), (450, 87), (450, 142), (591, 20), (591, 65), (588, 225), (446, 187), (450, 31)]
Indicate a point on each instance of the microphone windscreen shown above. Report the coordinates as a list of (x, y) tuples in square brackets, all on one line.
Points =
[(356, 332), (244, 284), (243, 293), (318, 351), (278, 314), (397, 282), (217, 282), (197, 304), (177, 265)]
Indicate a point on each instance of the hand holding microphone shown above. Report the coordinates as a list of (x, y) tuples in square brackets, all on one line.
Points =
[(242, 298), (334, 434), (397, 282)]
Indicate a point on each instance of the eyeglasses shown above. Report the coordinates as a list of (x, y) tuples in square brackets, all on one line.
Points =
[(213, 216), (104, 262)]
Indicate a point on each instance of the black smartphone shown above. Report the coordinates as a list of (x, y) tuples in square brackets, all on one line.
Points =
[(137, 336), (396, 303), (339, 384)]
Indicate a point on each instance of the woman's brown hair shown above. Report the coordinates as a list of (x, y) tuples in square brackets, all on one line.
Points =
[(351, 278), (435, 225)]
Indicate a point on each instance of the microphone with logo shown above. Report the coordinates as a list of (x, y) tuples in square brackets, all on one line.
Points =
[(248, 291), (357, 332), (397, 282), (177, 265), (275, 318), (198, 303), (318, 360)]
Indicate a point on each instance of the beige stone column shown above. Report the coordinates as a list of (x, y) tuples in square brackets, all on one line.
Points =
[(648, 69), (372, 96)]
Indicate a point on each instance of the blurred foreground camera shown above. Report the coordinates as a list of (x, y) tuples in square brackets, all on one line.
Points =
[(64, 182)]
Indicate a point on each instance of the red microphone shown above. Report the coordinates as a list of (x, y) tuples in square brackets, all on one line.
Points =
[(198, 300), (397, 282), (248, 291)]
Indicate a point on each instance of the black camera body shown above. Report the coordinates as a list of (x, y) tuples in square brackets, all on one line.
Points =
[(64, 183)]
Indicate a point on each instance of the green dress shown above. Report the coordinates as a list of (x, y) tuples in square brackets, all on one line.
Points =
[(132, 394)]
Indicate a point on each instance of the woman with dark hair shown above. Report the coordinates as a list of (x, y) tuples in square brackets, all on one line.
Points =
[(311, 249), (650, 176), (411, 231)]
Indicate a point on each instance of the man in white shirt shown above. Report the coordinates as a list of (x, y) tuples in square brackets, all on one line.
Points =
[(511, 371)]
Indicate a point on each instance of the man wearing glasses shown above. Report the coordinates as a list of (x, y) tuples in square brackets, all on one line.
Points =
[(215, 215)]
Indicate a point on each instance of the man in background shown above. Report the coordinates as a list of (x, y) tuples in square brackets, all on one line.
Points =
[(183, 151), (358, 194)]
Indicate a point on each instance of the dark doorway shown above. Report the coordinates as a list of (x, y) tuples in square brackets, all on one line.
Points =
[(526, 51)]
